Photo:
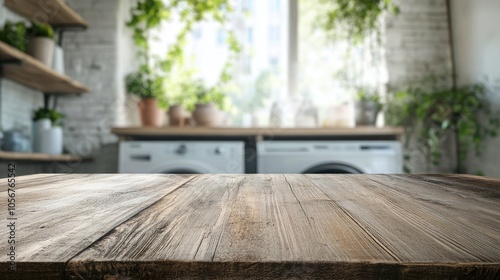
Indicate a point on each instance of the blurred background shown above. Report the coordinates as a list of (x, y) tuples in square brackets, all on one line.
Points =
[(423, 73)]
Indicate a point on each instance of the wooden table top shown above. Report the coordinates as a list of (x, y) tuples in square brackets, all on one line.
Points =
[(254, 227)]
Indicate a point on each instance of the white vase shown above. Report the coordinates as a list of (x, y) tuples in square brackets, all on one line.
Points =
[(58, 62), (42, 49), (51, 141), (39, 125)]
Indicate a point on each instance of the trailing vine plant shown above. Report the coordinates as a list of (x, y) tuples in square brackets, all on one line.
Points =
[(432, 110), (354, 19)]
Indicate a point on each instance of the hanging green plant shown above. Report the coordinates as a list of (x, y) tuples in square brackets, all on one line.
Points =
[(148, 15), (354, 19), (432, 110)]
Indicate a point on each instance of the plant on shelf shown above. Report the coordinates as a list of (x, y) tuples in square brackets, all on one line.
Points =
[(41, 30), (367, 106), (148, 86), (42, 43), (55, 118), (14, 34), (354, 19), (208, 102), (433, 111), (47, 131)]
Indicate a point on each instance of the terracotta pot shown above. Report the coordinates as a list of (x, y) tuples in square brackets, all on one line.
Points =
[(176, 115), (42, 48), (151, 115), (207, 115)]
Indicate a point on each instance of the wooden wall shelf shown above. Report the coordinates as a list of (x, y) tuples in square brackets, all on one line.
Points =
[(206, 131), (57, 12), (34, 74), (37, 157)]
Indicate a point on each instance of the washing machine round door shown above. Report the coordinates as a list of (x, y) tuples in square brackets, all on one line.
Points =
[(332, 168), (181, 171), (185, 167)]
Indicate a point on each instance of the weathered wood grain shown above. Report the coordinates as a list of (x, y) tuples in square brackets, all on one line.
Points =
[(258, 227), (285, 218), (413, 230), (60, 215)]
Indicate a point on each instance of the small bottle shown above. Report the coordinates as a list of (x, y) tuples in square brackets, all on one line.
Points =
[(307, 115)]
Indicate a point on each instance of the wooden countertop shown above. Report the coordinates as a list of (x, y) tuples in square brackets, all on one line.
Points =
[(254, 227), (264, 131)]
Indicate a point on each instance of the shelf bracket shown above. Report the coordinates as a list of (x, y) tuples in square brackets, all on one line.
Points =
[(11, 62), (46, 101), (60, 29)]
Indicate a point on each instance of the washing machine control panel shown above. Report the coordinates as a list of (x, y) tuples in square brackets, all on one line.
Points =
[(195, 156)]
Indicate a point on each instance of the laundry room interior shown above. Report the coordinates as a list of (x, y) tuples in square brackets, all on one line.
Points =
[(250, 86)]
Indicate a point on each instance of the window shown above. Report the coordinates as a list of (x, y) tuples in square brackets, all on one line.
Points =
[(283, 57), (250, 35), (221, 38), (248, 5), (274, 34), (275, 5)]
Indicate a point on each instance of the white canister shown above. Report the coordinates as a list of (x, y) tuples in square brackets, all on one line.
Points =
[(39, 125), (51, 141), (58, 62)]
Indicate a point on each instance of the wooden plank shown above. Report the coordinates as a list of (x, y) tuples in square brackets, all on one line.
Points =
[(57, 220), (232, 220), (412, 230), (203, 131), (278, 218), (184, 226), (463, 197), (38, 157), (55, 12), (32, 73)]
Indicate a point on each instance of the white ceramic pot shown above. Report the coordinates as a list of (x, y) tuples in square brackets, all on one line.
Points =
[(51, 141), (58, 61), (39, 125), (42, 48)]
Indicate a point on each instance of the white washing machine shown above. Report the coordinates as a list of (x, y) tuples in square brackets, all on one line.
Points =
[(335, 157), (182, 157)]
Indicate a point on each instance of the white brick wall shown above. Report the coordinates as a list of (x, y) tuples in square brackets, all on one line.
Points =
[(92, 58), (417, 42), (417, 45)]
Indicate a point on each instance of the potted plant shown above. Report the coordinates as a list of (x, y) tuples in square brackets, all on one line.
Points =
[(367, 107), (14, 34), (47, 131), (42, 43), (208, 102), (148, 87), (432, 111)]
